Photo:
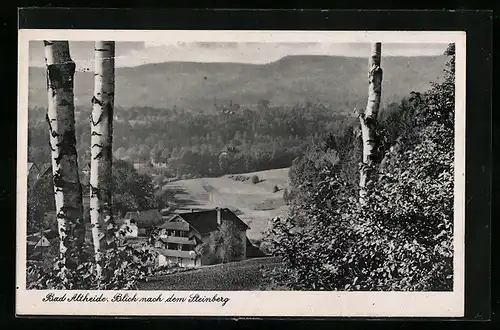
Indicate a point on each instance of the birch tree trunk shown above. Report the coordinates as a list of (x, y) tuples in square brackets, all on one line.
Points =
[(101, 146), (368, 122), (61, 121)]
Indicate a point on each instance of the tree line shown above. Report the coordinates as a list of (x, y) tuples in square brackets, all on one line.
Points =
[(189, 143), (388, 227)]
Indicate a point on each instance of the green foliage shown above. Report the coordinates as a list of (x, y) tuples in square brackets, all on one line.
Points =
[(122, 268), (192, 142), (131, 191), (224, 245), (255, 179), (402, 238)]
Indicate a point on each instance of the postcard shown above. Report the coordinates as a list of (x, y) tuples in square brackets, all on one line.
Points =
[(241, 173)]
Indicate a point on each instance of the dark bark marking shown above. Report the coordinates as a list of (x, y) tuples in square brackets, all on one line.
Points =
[(50, 146), (60, 76), (98, 156), (95, 100), (66, 146), (94, 191)]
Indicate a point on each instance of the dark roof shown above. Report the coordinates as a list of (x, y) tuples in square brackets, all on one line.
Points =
[(175, 226), (45, 169), (206, 221), (85, 166), (32, 166), (49, 234), (145, 218), (177, 240), (253, 251), (177, 253)]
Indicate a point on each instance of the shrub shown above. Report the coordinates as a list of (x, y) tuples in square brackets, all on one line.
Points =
[(255, 179), (276, 189), (402, 238), (122, 267)]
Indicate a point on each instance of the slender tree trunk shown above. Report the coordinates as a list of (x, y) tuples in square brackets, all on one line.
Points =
[(368, 122), (101, 146), (61, 121)]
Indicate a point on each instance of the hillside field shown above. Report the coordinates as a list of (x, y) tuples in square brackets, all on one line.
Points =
[(255, 203), (238, 276)]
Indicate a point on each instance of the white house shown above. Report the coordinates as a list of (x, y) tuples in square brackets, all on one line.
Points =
[(129, 228)]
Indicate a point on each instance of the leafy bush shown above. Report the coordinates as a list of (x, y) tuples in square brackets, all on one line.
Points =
[(255, 179), (121, 268), (276, 189), (402, 238), (224, 245)]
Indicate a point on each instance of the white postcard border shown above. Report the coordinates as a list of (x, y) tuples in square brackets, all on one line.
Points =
[(250, 303)]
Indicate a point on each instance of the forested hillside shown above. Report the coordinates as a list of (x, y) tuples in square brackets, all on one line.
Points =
[(339, 82), (186, 114), (190, 143)]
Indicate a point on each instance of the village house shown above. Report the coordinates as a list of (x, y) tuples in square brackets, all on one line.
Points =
[(144, 220), (182, 233), (85, 170), (37, 172), (129, 228), (159, 164), (39, 242), (180, 236), (33, 172)]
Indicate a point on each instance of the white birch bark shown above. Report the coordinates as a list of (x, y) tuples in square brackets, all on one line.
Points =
[(101, 146), (368, 121), (61, 121)]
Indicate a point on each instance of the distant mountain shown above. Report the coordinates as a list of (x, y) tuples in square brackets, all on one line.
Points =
[(337, 82)]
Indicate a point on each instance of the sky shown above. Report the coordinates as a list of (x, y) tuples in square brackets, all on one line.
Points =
[(129, 54)]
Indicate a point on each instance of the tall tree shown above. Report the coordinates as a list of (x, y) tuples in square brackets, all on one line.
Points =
[(101, 145), (61, 122), (368, 121)]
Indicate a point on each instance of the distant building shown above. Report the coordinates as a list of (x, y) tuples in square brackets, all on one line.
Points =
[(144, 220), (85, 170), (45, 170), (158, 164), (38, 243), (138, 166), (33, 172), (129, 228)]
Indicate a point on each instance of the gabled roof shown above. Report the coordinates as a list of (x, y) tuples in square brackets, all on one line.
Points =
[(45, 169), (145, 218), (85, 166), (175, 226), (32, 166), (48, 234), (206, 221)]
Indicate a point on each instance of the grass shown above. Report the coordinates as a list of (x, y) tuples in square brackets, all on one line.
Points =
[(236, 276), (255, 203)]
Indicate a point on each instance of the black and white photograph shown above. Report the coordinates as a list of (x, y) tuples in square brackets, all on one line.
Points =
[(222, 163)]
